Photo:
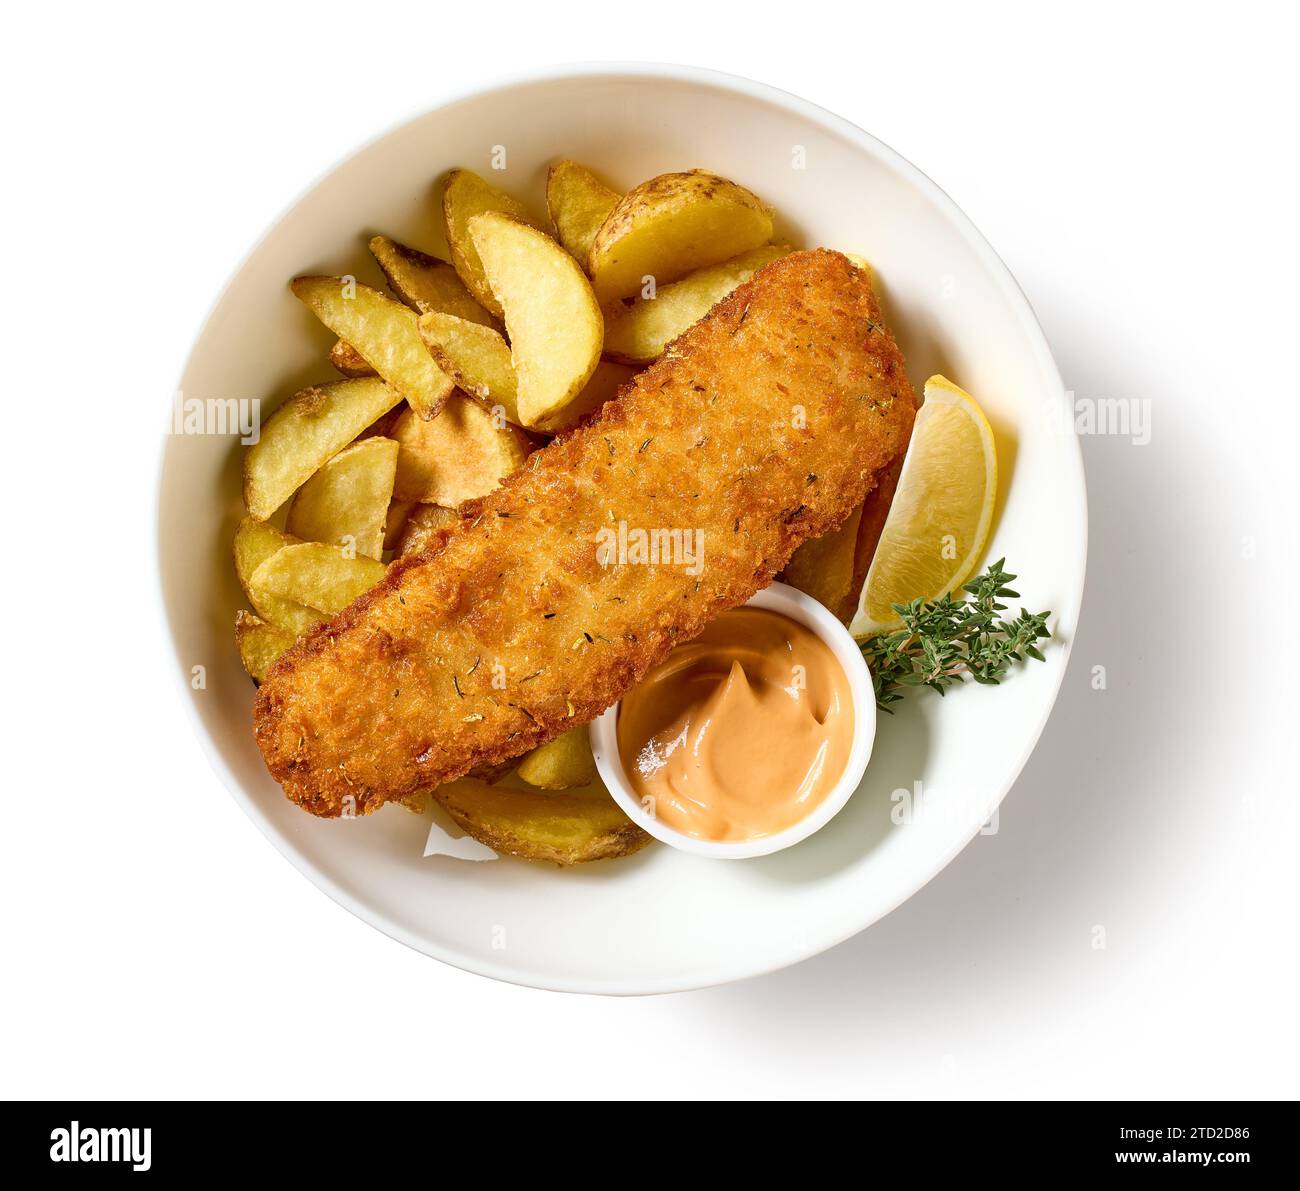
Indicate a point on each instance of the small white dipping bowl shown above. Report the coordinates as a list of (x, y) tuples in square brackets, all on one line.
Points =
[(804, 610)]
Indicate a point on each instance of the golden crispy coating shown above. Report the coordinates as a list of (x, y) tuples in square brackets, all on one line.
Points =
[(762, 426)]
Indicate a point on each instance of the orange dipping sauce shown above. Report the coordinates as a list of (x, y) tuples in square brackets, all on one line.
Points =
[(740, 733)]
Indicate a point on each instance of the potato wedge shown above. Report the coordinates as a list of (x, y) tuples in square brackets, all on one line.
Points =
[(425, 283), (255, 542), (346, 502), (461, 454), (819, 567), (465, 196), (672, 225), (552, 318), (570, 827), (603, 384), (320, 576), (875, 512), (561, 764), (637, 331), (424, 524), (259, 643), (395, 522), (823, 567), (382, 425), (305, 431), (477, 358), (383, 332), (578, 203), (347, 360), (865, 265)]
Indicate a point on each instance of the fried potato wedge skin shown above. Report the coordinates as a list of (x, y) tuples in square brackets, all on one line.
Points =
[(875, 512), (476, 357), (462, 454), (672, 225), (561, 764), (399, 511), (306, 430), (384, 334), (424, 527), (554, 323), (346, 360), (255, 542), (578, 203), (823, 568), (347, 499), (465, 196), (637, 333), (564, 827), (425, 283), (320, 576), (259, 643)]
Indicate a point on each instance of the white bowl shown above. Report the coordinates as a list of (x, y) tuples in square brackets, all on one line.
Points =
[(663, 919), (804, 610)]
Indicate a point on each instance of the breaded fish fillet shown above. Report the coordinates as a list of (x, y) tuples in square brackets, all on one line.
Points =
[(762, 426)]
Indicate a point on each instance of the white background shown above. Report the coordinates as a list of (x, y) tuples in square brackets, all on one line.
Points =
[(1136, 172)]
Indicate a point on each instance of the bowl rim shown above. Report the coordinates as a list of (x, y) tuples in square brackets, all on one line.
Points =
[(795, 605), (814, 942)]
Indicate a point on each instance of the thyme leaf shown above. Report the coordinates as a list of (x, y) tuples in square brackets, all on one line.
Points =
[(944, 640)]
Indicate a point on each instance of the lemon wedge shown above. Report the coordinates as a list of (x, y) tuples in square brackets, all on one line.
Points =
[(942, 511)]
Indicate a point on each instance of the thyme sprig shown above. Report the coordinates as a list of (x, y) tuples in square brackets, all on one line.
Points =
[(944, 640)]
